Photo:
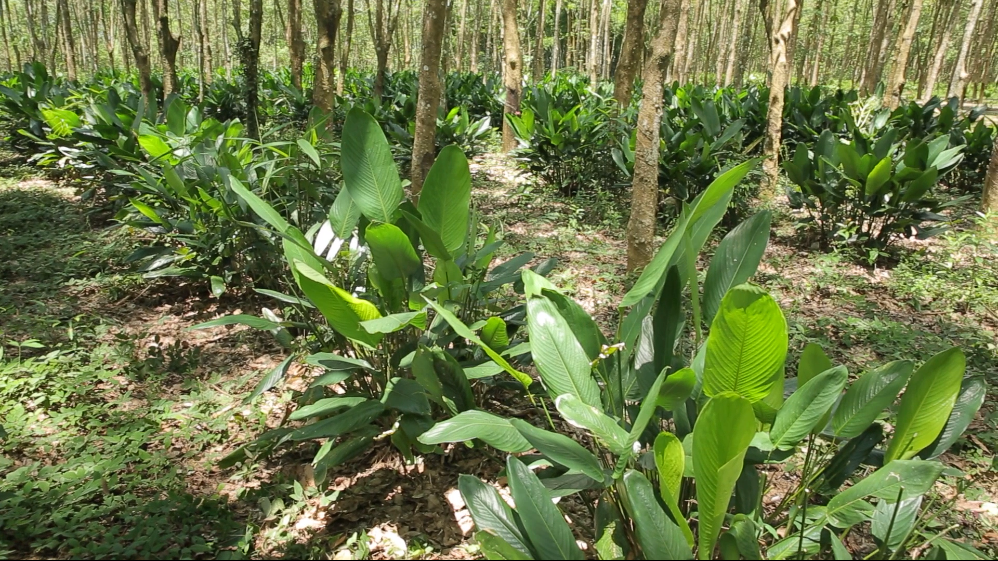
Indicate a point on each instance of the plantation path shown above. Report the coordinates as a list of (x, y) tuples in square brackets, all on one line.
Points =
[(162, 404)]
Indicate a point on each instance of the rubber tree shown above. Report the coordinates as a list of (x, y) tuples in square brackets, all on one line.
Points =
[(949, 10), (345, 50), (296, 46), (901, 51), (512, 75), (68, 47), (989, 198), (779, 76), (327, 18), (139, 49), (424, 141), (168, 46), (644, 186), (537, 66), (382, 26), (630, 52), (958, 82)]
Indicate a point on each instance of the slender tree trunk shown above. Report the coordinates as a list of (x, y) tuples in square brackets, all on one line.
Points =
[(989, 196), (630, 52), (512, 75), (225, 40), (476, 39), (941, 47), (537, 72), (958, 82), (327, 17), (690, 42), (345, 51), (462, 38), (38, 47), (593, 41), (382, 29), (724, 31), (606, 41), (779, 78), (205, 27), (644, 187), (681, 46), (901, 52), (556, 46), (249, 51), (424, 142), (199, 33), (878, 34), (69, 49), (4, 22), (168, 46), (729, 72), (296, 46), (139, 50)]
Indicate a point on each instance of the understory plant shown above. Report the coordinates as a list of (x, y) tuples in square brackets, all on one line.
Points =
[(390, 335), (657, 425)]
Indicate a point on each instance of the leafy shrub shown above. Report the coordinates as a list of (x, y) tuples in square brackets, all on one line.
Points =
[(362, 272), (870, 192)]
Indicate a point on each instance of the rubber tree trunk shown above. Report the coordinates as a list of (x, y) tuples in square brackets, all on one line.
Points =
[(382, 29), (327, 17), (424, 143), (591, 61), (901, 51), (537, 66), (139, 50), (345, 51), (958, 82), (556, 47), (296, 46), (779, 75), (644, 187), (68, 47), (512, 75), (878, 34), (684, 47), (168, 46), (729, 71), (249, 49), (630, 52), (989, 198), (941, 47)]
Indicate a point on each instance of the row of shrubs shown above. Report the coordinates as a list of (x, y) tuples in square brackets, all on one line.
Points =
[(575, 139)]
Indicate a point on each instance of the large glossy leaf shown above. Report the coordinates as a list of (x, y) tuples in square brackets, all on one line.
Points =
[(676, 389), (395, 322), (813, 361), (721, 437), (444, 200), (671, 463), (904, 478), (560, 448), (973, 390), (747, 344), (926, 404), (560, 359), (595, 421), (469, 425), (718, 193), (494, 334), (259, 206), (868, 397), (392, 251), (668, 320), (491, 513), (880, 175), (653, 274), (658, 536), (802, 411), (342, 310), (343, 215), (239, 319), (369, 172), (325, 406), (495, 548), (430, 238), (352, 419), (892, 520), (544, 524), (583, 326), (735, 261)]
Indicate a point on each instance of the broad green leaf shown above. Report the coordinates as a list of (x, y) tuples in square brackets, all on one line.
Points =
[(735, 261), (646, 411), (813, 361), (560, 359), (926, 404), (671, 463), (721, 437), (677, 389), (430, 238), (343, 311), (583, 326), (668, 320), (868, 397), (349, 420), (657, 535), (464, 331), (369, 172), (269, 381), (469, 425), (61, 121), (973, 390), (407, 396), (395, 322), (560, 449), (495, 548), (343, 215), (494, 334), (654, 273), (154, 146), (909, 478), (747, 344), (325, 406), (544, 524), (959, 550), (238, 319), (880, 175), (533, 283), (719, 191), (310, 151), (491, 513), (444, 200), (259, 206), (802, 411), (392, 251), (595, 421), (896, 517)]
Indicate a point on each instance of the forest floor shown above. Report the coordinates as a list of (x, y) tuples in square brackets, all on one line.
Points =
[(116, 416)]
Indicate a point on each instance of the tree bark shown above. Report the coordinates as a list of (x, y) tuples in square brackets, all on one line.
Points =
[(681, 48), (249, 50), (424, 143), (644, 187), (780, 71), (729, 72), (462, 38), (168, 46), (958, 82), (382, 29), (345, 51), (989, 195), (139, 50), (556, 47), (327, 17), (476, 39), (537, 72), (512, 75), (296, 46), (941, 47), (878, 35), (68, 48), (630, 52), (199, 32), (901, 52), (593, 41)]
